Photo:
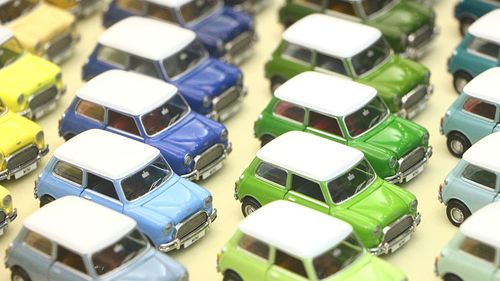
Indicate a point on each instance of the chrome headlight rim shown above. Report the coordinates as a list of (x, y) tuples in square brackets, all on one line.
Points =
[(393, 162), (207, 202), (425, 138), (40, 138), (188, 159), (20, 99), (2, 159), (168, 228), (207, 102), (377, 232), (7, 201), (414, 205), (224, 135)]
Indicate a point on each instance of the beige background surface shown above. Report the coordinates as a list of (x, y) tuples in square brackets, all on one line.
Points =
[(416, 258)]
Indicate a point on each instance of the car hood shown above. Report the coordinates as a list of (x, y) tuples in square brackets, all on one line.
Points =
[(17, 132), (370, 268), (406, 16), (225, 24), (151, 267)]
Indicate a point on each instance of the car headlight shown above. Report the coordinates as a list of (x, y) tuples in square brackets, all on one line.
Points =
[(239, 82), (59, 77), (39, 48), (397, 102), (20, 99), (425, 138), (184, 276), (40, 138), (7, 201), (427, 77), (168, 228), (414, 205), (220, 45), (1, 159), (207, 101), (393, 162), (208, 201), (188, 159), (377, 232), (224, 135)]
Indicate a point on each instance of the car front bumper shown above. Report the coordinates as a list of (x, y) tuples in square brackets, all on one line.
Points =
[(240, 49), (8, 219), (418, 51), (398, 242), (409, 174), (414, 110), (8, 174), (210, 169)]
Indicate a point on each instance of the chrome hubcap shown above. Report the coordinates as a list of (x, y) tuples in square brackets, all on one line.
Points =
[(457, 147), (17, 278), (457, 215), (249, 209)]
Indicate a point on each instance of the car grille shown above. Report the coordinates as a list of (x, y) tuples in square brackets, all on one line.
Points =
[(421, 36), (240, 44), (22, 157), (191, 224), (43, 98), (210, 155), (60, 45), (414, 97), (225, 99), (397, 228), (412, 158)]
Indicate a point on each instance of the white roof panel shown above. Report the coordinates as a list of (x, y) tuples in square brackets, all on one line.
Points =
[(309, 155), (485, 153), (79, 225), (170, 3), (5, 34), (127, 92), (276, 224), (147, 38), (485, 86), (486, 27), (483, 225), (331, 35), (326, 93), (106, 154)]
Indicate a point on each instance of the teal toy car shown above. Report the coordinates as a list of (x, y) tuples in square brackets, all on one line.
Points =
[(468, 11)]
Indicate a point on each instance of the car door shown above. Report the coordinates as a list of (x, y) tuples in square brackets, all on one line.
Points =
[(270, 183), (286, 268), (480, 186), (68, 266), (308, 193), (286, 117), (252, 256), (123, 124), (68, 180), (485, 55), (325, 126), (101, 191), (37, 252), (87, 115), (479, 118)]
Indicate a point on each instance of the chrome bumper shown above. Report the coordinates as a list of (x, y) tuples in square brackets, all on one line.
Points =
[(410, 113), (417, 52), (43, 110), (7, 174), (241, 56), (229, 110), (401, 177), (198, 174), (403, 238), (8, 220)]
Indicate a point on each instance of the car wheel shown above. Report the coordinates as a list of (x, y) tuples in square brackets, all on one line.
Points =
[(67, 137), (249, 206), (457, 144), (265, 140), (276, 82), (460, 79), (451, 277), (465, 23), (231, 276), (457, 212), (46, 199), (18, 274)]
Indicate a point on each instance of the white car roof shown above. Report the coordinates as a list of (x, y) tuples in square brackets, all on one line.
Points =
[(127, 92), (332, 36), (170, 3), (277, 224), (483, 226), (79, 225), (107, 154), (485, 86), (486, 27), (485, 153), (147, 38), (309, 155), (5, 34), (325, 93)]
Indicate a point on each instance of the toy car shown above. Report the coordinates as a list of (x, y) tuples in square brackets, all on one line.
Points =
[(226, 33), (473, 182), (44, 30), (334, 179), (265, 247), (408, 26), (349, 113), (471, 253), (473, 115), (131, 178), (82, 8), (325, 44), (29, 85), (478, 51), (250, 6), (74, 239), (210, 86), (468, 11), (150, 111), (7, 211)]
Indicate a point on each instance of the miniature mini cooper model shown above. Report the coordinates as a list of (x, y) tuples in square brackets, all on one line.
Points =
[(474, 182), (468, 11), (131, 178), (478, 51), (226, 33), (325, 44), (150, 111), (73, 239), (265, 247), (474, 114), (472, 254), (349, 113), (81, 8), (408, 26), (7, 211), (22, 144), (210, 86), (250, 6), (29, 85), (43, 29), (334, 179)]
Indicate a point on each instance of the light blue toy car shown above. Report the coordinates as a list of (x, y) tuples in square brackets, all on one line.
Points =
[(478, 51), (474, 182), (474, 114), (131, 178), (73, 239), (468, 11)]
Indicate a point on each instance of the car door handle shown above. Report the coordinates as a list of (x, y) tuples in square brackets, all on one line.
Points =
[(291, 199), (87, 197)]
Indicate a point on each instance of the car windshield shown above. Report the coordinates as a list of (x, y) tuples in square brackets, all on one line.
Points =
[(189, 57), (146, 179), (165, 116), (118, 254), (371, 57), (198, 9), (352, 182), (338, 258), (366, 118), (373, 6), (10, 51), (12, 9)]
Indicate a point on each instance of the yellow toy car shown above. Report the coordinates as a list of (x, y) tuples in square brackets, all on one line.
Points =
[(43, 29), (29, 85), (7, 211), (22, 145), (81, 8)]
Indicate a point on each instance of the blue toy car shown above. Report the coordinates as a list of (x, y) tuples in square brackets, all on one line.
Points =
[(226, 33), (478, 51), (468, 11), (131, 178), (150, 111), (170, 53)]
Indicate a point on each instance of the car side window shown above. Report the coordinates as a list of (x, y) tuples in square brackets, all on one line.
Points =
[(102, 186), (122, 122), (90, 110), (480, 176), (38, 242), (290, 263), (69, 172), (481, 108), (160, 12), (272, 173), (478, 249), (297, 53), (254, 246), (330, 63), (136, 6), (340, 6), (70, 259), (317, 4), (307, 187), (113, 56), (325, 123), (485, 48), (290, 111), (143, 66)]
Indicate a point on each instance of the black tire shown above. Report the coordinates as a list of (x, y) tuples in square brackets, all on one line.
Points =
[(46, 199), (231, 276), (69, 136), (457, 144), (276, 82), (18, 274), (465, 23), (265, 140), (451, 277), (457, 213), (460, 79), (249, 205)]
